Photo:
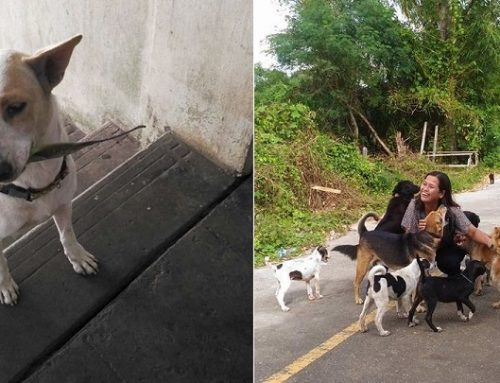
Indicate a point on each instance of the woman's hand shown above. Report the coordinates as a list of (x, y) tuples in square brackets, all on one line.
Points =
[(421, 224)]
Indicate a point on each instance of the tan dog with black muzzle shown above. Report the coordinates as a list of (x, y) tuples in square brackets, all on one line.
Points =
[(31, 192)]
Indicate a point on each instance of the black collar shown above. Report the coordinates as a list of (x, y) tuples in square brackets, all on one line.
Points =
[(31, 194)]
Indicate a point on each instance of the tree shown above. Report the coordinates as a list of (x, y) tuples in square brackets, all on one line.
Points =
[(348, 56), (457, 50)]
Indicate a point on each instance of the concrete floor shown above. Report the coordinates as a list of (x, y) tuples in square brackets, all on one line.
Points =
[(171, 302)]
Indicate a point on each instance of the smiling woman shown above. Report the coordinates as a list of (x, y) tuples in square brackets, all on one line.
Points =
[(436, 191)]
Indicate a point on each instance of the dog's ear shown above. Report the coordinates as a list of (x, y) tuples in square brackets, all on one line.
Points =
[(49, 64)]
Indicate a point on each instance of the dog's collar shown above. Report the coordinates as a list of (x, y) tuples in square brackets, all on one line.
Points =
[(463, 275), (31, 194)]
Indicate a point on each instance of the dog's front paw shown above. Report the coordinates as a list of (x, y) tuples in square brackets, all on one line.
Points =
[(311, 297), (285, 308), (385, 333), (439, 329), (478, 292), (319, 296), (402, 314), (462, 316), (496, 305), (358, 301), (9, 291), (83, 262), (471, 314)]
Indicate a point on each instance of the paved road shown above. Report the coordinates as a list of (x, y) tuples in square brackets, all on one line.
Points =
[(287, 345)]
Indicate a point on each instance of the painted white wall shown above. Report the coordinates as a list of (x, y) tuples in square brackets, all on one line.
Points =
[(183, 64)]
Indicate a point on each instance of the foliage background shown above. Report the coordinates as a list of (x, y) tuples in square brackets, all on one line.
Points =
[(353, 74)]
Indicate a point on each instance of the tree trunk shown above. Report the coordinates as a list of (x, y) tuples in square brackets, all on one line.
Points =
[(374, 132), (354, 125)]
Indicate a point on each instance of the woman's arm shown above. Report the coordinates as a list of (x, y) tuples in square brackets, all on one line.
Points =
[(479, 236)]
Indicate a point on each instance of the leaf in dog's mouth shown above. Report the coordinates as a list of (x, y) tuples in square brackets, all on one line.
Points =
[(61, 149)]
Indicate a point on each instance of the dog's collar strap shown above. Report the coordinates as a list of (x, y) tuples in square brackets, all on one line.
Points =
[(463, 275), (31, 194)]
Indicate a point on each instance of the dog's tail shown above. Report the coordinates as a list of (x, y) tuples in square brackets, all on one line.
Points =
[(349, 250), (376, 270), (361, 224)]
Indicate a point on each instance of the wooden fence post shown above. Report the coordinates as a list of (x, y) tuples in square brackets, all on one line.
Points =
[(435, 143), (422, 144)]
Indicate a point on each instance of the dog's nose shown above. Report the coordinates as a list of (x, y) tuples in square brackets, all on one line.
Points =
[(6, 171)]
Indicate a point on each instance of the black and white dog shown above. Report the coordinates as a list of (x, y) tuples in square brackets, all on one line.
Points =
[(454, 288), (301, 269), (385, 286)]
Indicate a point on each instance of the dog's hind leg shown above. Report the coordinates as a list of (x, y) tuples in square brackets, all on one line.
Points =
[(382, 308), (82, 261), (8, 287), (362, 265)]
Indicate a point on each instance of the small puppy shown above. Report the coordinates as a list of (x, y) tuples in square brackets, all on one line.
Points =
[(302, 269), (385, 286), (456, 288), (31, 192)]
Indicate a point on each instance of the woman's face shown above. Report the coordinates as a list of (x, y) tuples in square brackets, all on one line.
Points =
[(429, 190)]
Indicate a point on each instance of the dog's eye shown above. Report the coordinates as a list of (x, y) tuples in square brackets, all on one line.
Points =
[(14, 109)]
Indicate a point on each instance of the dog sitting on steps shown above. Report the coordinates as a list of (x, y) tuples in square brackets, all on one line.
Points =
[(301, 269)]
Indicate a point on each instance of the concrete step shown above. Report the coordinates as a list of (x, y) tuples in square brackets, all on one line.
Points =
[(128, 220), (96, 161), (187, 318)]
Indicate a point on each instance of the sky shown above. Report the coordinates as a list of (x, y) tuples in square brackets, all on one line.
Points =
[(269, 17)]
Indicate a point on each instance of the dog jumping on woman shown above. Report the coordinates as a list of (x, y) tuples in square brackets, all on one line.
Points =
[(32, 192), (385, 286), (402, 194), (301, 269), (455, 288)]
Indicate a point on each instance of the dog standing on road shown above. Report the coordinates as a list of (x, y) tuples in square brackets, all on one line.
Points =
[(301, 269), (385, 286), (32, 192), (455, 288)]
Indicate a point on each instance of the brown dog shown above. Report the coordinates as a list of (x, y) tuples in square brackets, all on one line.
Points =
[(396, 250), (491, 258)]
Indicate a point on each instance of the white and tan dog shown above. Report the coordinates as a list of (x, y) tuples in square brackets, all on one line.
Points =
[(301, 269), (32, 192), (385, 286)]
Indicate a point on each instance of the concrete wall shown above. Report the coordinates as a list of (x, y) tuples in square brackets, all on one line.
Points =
[(186, 64)]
